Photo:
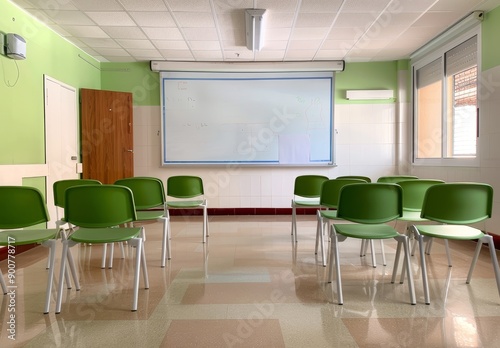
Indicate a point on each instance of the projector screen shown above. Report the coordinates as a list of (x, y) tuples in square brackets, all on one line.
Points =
[(247, 118)]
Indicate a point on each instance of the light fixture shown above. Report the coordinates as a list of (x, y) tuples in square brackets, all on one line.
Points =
[(254, 24), (369, 94)]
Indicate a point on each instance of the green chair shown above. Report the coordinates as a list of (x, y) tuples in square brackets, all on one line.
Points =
[(413, 198), (306, 194), (455, 206), (396, 178), (328, 201), (23, 207), (188, 194), (98, 210), (380, 203), (361, 177), (59, 189), (150, 205)]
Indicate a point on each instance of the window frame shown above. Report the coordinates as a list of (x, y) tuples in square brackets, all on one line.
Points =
[(439, 52)]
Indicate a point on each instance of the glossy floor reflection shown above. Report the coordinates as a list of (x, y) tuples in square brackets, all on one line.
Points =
[(250, 286)]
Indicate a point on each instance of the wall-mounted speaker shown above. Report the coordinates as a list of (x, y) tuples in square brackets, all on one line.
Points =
[(15, 46)]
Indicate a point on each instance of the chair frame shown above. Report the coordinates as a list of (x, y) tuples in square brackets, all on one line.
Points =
[(184, 200), (103, 229), (311, 191), (378, 222), (18, 197), (146, 203)]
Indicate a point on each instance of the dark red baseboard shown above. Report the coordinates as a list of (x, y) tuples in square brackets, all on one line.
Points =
[(243, 211)]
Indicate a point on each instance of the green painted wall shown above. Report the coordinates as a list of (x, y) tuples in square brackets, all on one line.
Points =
[(144, 84), (489, 35), (372, 75), (136, 78), (22, 134)]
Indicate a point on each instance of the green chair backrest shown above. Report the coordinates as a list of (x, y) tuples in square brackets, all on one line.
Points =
[(184, 186), (414, 192), (97, 206), (21, 206), (148, 191), (330, 191), (365, 178), (59, 188), (396, 178), (370, 203), (458, 203), (309, 186)]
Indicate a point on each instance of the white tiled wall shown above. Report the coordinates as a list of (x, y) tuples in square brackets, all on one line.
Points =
[(365, 145)]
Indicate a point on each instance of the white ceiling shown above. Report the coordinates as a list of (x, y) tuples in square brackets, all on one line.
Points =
[(214, 30)]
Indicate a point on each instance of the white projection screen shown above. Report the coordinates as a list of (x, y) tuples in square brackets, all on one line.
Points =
[(214, 118)]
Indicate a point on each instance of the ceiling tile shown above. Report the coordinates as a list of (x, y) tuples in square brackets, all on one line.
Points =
[(309, 33), (189, 5), (153, 19), (200, 34), (177, 54), (136, 44), (96, 42), (144, 5), (311, 20), (319, 6), (69, 17), (86, 31), (146, 54), (163, 33), (118, 19), (170, 44), (195, 19), (125, 32), (92, 5), (204, 45)]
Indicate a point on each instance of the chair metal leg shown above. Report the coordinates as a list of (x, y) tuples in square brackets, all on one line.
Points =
[(111, 255), (137, 243), (425, 280), (51, 244), (487, 239), (382, 250), (144, 265), (165, 248), (2, 283), (411, 284), (103, 260), (372, 249), (448, 255), (205, 223), (294, 223), (61, 276), (335, 245), (429, 246), (396, 266)]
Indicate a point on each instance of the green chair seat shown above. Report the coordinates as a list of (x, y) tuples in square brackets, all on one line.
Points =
[(23, 237), (184, 204), (104, 235), (380, 231), (146, 215), (328, 214), (450, 232)]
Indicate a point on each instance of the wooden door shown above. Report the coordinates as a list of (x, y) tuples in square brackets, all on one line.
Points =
[(107, 137)]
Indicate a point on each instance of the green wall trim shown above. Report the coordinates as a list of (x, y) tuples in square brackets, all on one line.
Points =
[(490, 28)]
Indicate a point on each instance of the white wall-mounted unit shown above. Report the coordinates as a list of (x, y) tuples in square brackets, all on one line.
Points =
[(369, 94)]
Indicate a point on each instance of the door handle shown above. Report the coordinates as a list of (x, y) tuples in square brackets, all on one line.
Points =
[(129, 150)]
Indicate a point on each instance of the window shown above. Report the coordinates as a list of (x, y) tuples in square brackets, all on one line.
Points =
[(445, 104)]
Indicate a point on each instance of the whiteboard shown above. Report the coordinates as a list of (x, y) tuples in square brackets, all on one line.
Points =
[(247, 118)]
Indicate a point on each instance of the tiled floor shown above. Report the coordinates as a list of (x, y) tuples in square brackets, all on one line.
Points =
[(250, 286)]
